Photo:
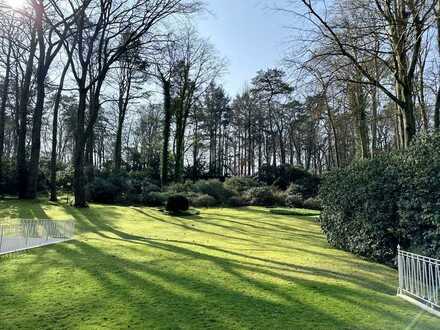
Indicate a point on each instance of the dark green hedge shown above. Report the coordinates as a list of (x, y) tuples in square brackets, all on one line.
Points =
[(372, 206)]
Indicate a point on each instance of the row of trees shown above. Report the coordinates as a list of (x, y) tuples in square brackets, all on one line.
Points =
[(83, 44), (131, 86), (376, 66)]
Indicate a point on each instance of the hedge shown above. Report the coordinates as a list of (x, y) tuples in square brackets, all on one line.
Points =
[(372, 206)]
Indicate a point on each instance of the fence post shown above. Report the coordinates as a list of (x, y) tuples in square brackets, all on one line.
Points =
[(400, 269), (1, 237)]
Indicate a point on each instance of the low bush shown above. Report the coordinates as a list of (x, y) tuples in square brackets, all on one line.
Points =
[(312, 203), (294, 189), (155, 198), (180, 187), (203, 201), (213, 188), (237, 201), (283, 176), (280, 197), (8, 183), (148, 187), (294, 200), (295, 212), (107, 189), (177, 203), (241, 184), (261, 196)]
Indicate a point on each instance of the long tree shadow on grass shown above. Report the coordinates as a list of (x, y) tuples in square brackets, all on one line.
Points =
[(26, 209), (193, 297), (216, 298), (101, 226), (113, 271)]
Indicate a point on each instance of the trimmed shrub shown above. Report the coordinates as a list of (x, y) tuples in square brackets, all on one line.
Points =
[(240, 184), (294, 201), (237, 201), (148, 187), (294, 189), (151, 194), (372, 206), (8, 183), (155, 198), (213, 188), (180, 188), (312, 203), (177, 203), (106, 189), (419, 202), (203, 201), (261, 196), (359, 208), (284, 175), (280, 197)]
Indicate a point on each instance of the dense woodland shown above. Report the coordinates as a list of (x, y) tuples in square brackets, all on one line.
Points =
[(94, 86)]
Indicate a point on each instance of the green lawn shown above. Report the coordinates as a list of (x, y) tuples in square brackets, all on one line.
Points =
[(223, 269)]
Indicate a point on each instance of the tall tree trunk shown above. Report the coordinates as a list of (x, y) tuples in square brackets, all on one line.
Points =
[(39, 107), (195, 147), (358, 107), (282, 147), (437, 101), (22, 175), (166, 132), (334, 131), (53, 157), (16, 109), (5, 93), (374, 108), (180, 137), (124, 98), (79, 180)]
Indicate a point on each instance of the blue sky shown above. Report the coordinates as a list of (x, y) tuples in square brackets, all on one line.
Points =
[(249, 34)]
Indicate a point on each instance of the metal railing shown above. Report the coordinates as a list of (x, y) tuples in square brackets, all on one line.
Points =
[(22, 234), (419, 280)]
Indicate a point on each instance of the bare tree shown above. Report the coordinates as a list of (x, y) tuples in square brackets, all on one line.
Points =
[(402, 25), (95, 37)]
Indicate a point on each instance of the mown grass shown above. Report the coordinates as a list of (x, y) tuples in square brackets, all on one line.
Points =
[(223, 269), (295, 212)]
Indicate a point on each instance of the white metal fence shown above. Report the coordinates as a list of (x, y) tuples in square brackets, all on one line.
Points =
[(419, 280), (22, 234)]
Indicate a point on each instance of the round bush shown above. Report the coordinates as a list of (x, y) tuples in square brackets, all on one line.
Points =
[(177, 203)]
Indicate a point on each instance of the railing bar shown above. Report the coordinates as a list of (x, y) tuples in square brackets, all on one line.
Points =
[(22, 234), (419, 277)]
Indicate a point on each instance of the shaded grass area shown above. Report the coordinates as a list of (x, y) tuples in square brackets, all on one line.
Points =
[(222, 269), (295, 212)]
